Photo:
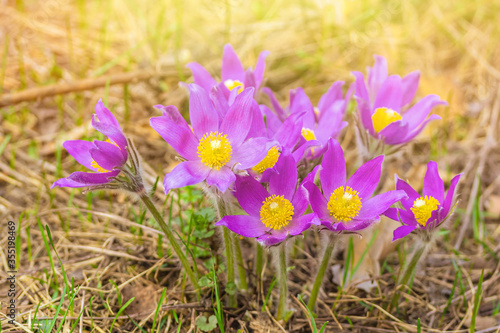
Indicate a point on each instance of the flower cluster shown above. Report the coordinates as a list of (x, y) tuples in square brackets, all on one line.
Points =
[(268, 158)]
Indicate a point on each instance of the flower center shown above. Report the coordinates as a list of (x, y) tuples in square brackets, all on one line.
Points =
[(383, 117), (269, 161), (276, 212), (98, 167), (231, 84), (423, 207), (308, 134), (344, 204), (214, 150)]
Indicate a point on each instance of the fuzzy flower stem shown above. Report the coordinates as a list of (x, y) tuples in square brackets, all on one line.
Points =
[(239, 258), (327, 254), (172, 240), (259, 261), (409, 270), (282, 277), (228, 244)]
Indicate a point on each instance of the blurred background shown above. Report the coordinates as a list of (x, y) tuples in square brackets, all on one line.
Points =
[(58, 57)]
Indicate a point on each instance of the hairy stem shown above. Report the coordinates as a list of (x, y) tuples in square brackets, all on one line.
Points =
[(321, 271), (242, 273), (259, 261), (173, 241), (282, 276)]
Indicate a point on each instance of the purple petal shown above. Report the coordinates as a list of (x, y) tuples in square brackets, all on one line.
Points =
[(329, 125), (333, 95), (184, 174), (402, 231), (394, 133), (300, 104), (244, 225), (274, 102), (410, 86), (410, 192), (236, 122), (407, 217), (80, 151), (333, 174), (250, 195), (372, 208), (289, 132), (258, 126), (272, 238), (179, 136), (250, 80), (301, 224), (219, 98), (112, 132), (90, 178), (107, 155), (272, 121), (251, 152), (204, 118), (450, 194), (390, 94), (284, 180), (416, 132), (259, 68), (377, 74), (419, 112), (105, 116), (232, 69), (392, 213), (433, 184), (201, 76), (221, 178), (318, 202), (366, 178), (300, 200), (363, 102), (65, 182)]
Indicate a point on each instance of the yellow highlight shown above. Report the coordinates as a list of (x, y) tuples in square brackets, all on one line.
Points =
[(113, 143), (276, 212), (269, 161), (214, 150), (308, 134), (231, 84), (344, 204), (423, 207), (383, 117), (98, 167)]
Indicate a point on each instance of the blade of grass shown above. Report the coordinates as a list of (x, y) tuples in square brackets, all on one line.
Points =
[(120, 312)]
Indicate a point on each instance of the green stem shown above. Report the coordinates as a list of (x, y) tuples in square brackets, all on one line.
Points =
[(173, 241), (321, 272), (259, 261), (242, 273), (282, 281), (228, 245), (409, 270)]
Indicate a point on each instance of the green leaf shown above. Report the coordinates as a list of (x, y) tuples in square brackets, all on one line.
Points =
[(231, 288), (206, 325)]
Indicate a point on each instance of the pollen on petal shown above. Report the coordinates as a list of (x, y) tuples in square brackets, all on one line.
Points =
[(276, 212), (344, 204), (383, 117), (231, 84), (423, 207), (98, 167), (214, 150), (308, 134), (269, 161)]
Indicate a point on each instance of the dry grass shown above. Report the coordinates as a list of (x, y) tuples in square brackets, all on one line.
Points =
[(112, 251)]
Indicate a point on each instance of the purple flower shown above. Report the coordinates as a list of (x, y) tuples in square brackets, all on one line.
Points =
[(215, 147), (274, 214), (102, 157), (319, 123), (346, 204), (427, 211), (234, 76), (383, 104)]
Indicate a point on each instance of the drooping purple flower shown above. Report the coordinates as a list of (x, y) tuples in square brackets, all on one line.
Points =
[(346, 205), (319, 123), (215, 148), (427, 211), (383, 104), (102, 157), (234, 76), (274, 214)]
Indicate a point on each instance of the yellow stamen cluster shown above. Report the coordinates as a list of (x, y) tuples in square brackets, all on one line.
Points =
[(344, 204), (98, 167), (276, 212), (214, 150), (231, 84), (269, 161), (423, 207), (383, 117), (308, 134)]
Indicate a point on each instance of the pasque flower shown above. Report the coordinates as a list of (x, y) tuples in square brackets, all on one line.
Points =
[(346, 205), (214, 148), (424, 212), (383, 103), (319, 123), (274, 214), (234, 76), (104, 158)]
